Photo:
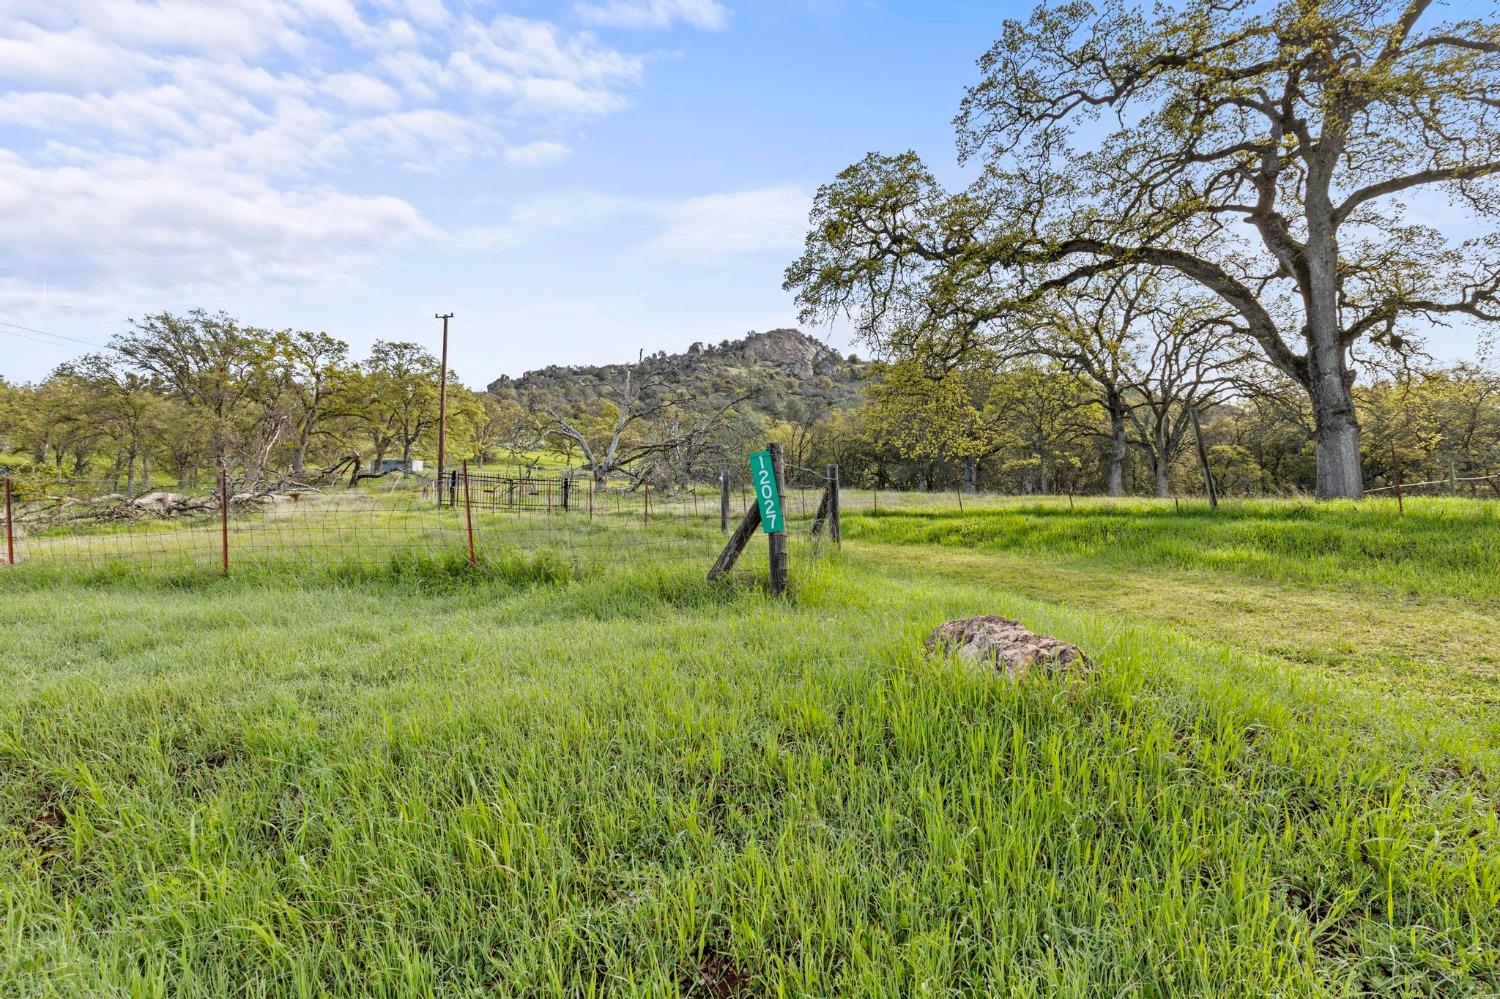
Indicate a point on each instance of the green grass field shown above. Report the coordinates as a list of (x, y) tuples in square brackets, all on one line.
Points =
[(539, 779)]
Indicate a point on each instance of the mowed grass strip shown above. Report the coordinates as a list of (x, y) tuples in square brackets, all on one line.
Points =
[(1439, 547), (1431, 654), (636, 784)]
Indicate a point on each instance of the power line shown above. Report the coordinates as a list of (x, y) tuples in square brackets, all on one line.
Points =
[(36, 339), (59, 336)]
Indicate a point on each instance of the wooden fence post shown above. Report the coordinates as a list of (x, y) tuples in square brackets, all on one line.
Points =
[(737, 542), (724, 500), (469, 513), (835, 528), (224, 520), (1396, 472), (1208, 475), (780, 570), (820, 518), (10, 536)]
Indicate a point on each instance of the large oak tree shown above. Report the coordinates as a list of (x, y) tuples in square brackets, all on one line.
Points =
[(1270, 152)]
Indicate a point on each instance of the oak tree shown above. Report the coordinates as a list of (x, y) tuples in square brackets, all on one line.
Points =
[(1269, 152)]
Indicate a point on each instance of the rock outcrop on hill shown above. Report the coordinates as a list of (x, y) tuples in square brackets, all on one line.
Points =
[(787, 371)]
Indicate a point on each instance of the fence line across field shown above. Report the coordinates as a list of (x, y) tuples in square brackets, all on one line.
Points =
[(1493, 481), (484, 514)]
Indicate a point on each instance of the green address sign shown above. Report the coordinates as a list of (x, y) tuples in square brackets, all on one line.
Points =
[(763, 478)]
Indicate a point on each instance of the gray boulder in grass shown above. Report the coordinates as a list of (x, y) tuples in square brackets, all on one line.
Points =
[(1007, 647)]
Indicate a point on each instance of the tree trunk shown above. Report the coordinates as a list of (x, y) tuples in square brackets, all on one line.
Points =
[(971, 474), (1117, 447), (299, 453), (1337, 428), (1329, 380), (1163, 472)]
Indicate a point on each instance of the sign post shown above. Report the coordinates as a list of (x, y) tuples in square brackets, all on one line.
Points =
[(766, 479)]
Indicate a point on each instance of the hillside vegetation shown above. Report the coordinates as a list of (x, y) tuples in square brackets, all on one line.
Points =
[(786, 373)]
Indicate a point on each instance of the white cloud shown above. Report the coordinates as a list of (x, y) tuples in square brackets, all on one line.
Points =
[(771, 219), (542, 70), (707, 14), (184, 225), (361, 90), (537, 154), (706, 227), (159, 143)]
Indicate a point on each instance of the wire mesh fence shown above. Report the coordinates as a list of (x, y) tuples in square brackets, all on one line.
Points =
[(479, 515)]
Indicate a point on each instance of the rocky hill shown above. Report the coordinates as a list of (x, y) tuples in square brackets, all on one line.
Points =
[(790, 373)]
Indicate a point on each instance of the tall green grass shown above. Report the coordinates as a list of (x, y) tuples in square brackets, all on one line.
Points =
[(634, 783)]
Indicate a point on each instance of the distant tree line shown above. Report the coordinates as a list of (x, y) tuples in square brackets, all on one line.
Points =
[(180, 397), (1101, 400), (1043, 428)]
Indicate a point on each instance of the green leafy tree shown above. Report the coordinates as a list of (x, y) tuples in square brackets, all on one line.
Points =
[(1265, 152)]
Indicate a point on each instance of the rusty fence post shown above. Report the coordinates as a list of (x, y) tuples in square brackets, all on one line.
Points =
[(10, 533), (224, 520), (469, 513)]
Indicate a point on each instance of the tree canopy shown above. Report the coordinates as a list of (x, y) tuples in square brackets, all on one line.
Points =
[(1268, 154)]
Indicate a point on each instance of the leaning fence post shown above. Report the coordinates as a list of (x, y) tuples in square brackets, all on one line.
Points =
[(724, 500), (469, 513), (1208, 475), (10, 536), (835, 530), (224, 521), (779, 559), (825, 501)]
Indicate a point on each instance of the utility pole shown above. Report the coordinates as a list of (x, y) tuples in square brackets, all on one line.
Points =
[(442, 406)]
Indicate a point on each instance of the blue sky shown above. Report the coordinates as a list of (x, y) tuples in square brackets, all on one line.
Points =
[(575, 180)]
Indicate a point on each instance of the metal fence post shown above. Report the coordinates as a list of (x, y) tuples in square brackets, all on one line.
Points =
[(469, 513)]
